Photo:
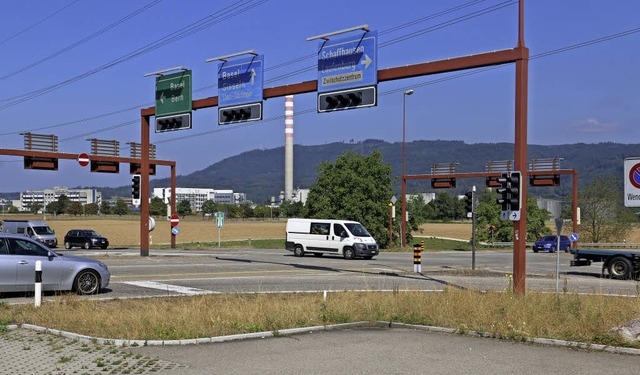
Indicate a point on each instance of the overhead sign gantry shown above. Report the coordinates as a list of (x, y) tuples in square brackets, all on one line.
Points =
[(347, 70), (173, 99), (240, 87)]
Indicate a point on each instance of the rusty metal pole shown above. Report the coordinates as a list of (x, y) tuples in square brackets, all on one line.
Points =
[(574, 204), (173, 202), (520, 159), (144, 186)]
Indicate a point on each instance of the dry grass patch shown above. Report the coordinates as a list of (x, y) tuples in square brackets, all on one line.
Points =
[(568, 316)]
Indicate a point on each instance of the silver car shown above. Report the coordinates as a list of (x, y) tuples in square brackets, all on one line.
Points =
[(18, 256)]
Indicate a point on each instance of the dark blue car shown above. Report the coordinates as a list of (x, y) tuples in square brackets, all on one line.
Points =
[(550, 244)]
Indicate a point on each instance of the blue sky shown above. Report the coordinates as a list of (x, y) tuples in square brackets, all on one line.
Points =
[(587, 94)]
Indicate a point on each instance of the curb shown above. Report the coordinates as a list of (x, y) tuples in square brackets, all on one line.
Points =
[(331, 327)]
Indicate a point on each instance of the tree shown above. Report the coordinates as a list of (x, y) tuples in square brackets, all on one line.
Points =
[(604, 218), (75, 208), (52, 208), (91, 209), (157, 207), (354, 187), (184, 208), (35, 207), (447, 207), (419, 212), (291, 209), (121, 208), (105, 208), (63, 204), (209, 206), (489, 227)]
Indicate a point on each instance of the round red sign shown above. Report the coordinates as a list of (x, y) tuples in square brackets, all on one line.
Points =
[(175, 220), (83, 159)]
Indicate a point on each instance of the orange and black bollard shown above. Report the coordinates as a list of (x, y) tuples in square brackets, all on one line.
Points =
[(417, 258)]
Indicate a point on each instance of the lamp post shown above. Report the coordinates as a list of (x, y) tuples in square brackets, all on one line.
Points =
[(403, 220)]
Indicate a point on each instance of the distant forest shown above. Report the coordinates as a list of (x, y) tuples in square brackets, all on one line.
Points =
[(260, 173)]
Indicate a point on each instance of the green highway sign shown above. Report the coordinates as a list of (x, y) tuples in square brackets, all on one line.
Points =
[(173, 94)]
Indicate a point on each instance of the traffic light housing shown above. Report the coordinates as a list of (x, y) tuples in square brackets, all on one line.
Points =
[(503, 190), (174, 122), (135, 186), (468, 204), (240, 113), (347, 99), (515, 191)]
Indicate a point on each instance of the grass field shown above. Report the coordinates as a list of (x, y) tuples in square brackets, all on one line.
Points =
[(125, 231)]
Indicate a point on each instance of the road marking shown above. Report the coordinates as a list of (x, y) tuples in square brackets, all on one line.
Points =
[(170, 288)]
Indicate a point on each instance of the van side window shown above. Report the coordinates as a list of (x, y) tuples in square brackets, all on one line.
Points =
[(339, 230), (20, 230), (320, 228)]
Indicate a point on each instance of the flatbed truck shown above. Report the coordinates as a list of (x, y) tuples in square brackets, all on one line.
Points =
[(620, 264)]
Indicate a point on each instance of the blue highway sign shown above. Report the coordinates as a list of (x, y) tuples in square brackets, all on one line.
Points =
[(240, 81), (348, 62)]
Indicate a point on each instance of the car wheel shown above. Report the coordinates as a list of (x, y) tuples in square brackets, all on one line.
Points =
[(535, 250), (87, 282), (368, 257), (620, 268), (103, 247), (87, 245), (67, 245), (348, 253), (298, 251)]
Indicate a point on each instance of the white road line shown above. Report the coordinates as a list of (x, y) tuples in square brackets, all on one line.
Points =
[(170, 288)]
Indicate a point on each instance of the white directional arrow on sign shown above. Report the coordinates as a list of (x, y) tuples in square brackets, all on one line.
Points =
[(162, 97), (366, 62)]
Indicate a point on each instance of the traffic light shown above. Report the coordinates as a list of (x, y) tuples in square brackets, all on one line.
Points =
[(174, 122), (240, 113), (503, 190), (515, 191), (468, 204), (347, 99), (135, 186)]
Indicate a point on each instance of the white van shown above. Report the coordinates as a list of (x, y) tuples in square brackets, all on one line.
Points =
[(37, 230), (323, 236)]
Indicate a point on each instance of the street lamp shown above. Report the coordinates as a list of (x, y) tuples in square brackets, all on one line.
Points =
[(403, 220)]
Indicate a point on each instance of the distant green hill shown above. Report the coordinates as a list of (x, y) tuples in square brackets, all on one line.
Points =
[(260, 173)]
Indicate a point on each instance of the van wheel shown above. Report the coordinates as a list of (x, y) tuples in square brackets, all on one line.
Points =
[(67, 245), (298, 251), (348, 253), (87, 245), (620, 268)]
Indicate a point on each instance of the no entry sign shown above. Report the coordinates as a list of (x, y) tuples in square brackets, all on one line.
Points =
[(83, 159), (175, 220)]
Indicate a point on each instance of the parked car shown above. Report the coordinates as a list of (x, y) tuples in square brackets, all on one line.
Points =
[(85, 238), (19, 254), (550, 244)]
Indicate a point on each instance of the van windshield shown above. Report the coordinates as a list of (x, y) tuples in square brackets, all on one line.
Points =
[(357, 230), (43, 230)]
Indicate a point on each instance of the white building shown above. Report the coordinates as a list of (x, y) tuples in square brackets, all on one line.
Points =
[(44, 197), (197, 196), (297, 195)]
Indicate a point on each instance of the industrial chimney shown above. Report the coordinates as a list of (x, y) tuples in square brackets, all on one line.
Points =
[(288, 148)]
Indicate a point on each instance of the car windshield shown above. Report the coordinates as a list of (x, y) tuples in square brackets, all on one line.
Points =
[(549, 238), (358, 230), (91, 233), (43, 230)]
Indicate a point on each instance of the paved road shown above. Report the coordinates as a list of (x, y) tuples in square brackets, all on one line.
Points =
[(169, 273), (386, 351)]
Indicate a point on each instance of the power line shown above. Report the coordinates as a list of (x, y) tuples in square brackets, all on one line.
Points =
[(37, 23), (222, 15), (81, 41), (281, 77)]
